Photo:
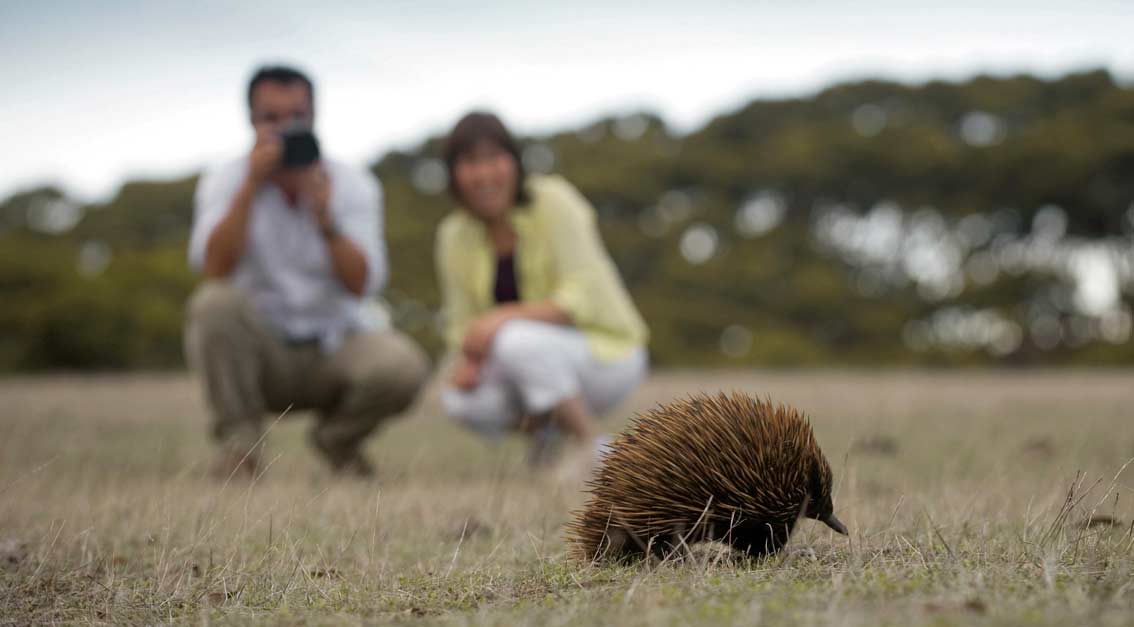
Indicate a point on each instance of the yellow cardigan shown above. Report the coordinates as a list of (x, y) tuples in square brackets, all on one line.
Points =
[(559, 257)]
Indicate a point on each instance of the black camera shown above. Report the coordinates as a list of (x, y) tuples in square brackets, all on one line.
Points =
[(300, 147)]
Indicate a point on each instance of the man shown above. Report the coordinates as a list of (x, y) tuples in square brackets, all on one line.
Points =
[(292, 256)]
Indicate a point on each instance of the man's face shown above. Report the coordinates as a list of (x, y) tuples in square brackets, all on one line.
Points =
[(277, 105)]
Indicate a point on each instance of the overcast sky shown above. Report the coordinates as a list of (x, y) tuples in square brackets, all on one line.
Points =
[(95, 93)]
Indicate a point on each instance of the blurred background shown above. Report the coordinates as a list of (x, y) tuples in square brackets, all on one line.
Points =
[(817, 185)]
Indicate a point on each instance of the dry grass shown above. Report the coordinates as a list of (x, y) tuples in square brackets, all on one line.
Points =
[(968, 497)]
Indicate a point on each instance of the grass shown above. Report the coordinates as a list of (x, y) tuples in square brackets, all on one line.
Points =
[(970, 499)]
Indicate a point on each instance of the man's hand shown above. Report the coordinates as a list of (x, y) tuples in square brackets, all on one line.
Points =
[(315, 192), (225, 245), (265, 157)]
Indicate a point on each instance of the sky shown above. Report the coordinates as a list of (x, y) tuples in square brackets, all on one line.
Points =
[(97, 93)]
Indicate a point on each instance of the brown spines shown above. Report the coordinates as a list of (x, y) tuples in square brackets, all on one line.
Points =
[(728, 467)]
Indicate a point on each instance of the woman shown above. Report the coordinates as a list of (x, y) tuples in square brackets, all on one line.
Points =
[(543, 332)]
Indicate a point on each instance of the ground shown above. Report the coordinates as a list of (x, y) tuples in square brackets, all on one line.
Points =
[(989, 498)]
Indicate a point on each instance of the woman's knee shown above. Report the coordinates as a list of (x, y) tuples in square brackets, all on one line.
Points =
[(520, 341)]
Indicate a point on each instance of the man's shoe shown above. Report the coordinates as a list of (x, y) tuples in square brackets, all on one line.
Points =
[(356, 466), (233, 463), (545, 446), (346, 461)]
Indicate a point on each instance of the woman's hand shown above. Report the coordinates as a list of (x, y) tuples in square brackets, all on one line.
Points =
[(481, 332), (466, 375)]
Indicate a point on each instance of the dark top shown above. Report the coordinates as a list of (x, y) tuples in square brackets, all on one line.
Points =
[(507, 288)]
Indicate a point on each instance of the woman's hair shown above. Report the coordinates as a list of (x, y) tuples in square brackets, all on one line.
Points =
[(470, 130)]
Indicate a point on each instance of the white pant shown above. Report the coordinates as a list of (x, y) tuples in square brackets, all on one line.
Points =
[(532, 367)]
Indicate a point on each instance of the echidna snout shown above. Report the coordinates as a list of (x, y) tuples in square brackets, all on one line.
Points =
[(835, 523), (820, 506), (825, 514)]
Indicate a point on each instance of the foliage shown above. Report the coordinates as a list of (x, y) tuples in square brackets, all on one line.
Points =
[(1000, 149)]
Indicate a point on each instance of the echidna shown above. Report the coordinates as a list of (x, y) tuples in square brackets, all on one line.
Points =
[(730, 468)]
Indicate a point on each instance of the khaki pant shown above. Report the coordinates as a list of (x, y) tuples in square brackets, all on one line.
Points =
[(247, 371)]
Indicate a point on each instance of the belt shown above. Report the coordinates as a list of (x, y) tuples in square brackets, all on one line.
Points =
[(302, 341)]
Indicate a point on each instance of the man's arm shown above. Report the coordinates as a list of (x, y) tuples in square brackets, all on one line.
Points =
[(347, 259), (225, 244)]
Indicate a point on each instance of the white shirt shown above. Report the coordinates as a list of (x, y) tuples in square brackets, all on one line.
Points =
[(286, 267)]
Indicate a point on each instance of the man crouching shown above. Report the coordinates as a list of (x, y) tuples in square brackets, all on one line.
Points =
[(291, 248)]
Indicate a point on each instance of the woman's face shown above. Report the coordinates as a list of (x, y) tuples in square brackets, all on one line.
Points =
[(486, 178)]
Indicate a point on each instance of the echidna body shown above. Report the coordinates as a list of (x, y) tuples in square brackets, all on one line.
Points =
[(730, 468)]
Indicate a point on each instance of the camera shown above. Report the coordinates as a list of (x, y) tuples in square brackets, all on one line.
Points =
[(300, 147)]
